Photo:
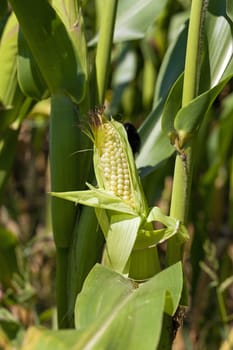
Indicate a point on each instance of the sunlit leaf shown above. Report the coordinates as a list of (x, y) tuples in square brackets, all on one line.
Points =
[(51, 47), (97, 198), (30, 79), (155, 144), (114, 314), (189, 118), (120, 240), (8, 54), (134, 18)]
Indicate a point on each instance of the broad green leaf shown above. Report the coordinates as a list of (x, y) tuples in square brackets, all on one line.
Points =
[(218, 44), (70, 13), (97, 198), (51, 47), (155, 144), (172, 65), (112, 314), (186, 120), (219, 40), (123, 75), (114, 288), (29, 77), (120, 240), (154, 150), (189, 118), (126, 66), (39, 338), (134, 18), (171, 108), (8, 54)]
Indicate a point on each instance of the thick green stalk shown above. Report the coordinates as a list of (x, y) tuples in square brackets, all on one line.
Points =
[(65, 176), (103, 54), (184, 161), (62, 255)]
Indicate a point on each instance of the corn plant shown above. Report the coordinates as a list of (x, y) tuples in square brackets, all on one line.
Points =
[(120, 259)]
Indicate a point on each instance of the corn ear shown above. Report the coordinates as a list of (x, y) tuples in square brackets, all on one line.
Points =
[(114, 164)]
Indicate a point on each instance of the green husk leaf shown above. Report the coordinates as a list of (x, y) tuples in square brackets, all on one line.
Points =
[(156, 214), (150, 238), (120, 241), (97, 198)]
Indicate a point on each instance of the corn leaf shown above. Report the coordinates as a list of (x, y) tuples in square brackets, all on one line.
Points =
[(172, 107), (188, 119), (110, 309), (217, 66), (8, 55), (39, 338), (97, 198), (218, 45), (134, 18), (169, 72), (110, 313), (51, 47), (29, 77), (120, 240), (156, 214), (150, 238)]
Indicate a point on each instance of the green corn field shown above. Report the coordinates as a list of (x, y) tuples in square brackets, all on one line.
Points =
[(116, 174)]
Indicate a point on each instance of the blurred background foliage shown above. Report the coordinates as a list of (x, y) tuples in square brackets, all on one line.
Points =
[(136, 91)]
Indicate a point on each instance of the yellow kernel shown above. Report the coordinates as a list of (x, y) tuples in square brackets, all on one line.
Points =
[(126, 188), (120, 180), (126, 197), (114, 168)]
